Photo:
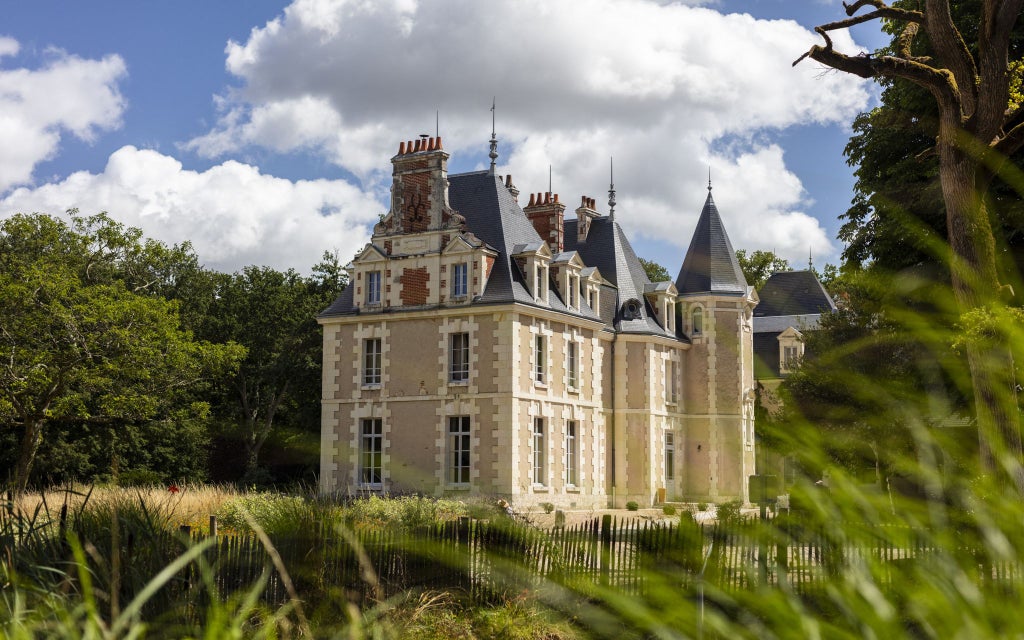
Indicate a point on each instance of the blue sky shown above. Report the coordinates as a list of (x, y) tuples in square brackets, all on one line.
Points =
[(262, 131)]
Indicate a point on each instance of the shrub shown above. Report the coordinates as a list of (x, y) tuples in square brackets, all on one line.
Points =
[(547, 507), (272, 512), (407, 511), (702, 506), (668, 510), (139, 478), (632, 505), (729, 511)]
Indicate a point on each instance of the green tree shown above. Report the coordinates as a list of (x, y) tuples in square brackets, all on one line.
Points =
[(759, 265), (94, 353), (655, 272), (968, 61), (273, 314)]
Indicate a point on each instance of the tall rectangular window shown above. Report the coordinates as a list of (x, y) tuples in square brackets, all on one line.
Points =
[(458, 450), (572, 456), (540, 466), (789, 358), (373, 287), (540, 357), (672, 382), (371, 451), (371, 361), (573, 292), (460, 281), (572, 365), (459, 358), (670, 457)]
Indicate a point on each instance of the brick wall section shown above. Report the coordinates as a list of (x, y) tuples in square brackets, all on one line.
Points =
[(416, 202), (414, 286), (547, 218)]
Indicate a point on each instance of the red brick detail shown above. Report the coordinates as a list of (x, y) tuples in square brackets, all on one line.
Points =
[(475, 280), (444, 268), (415, 202), (387, 288), (414, 286), (490, 265), (387, 247), (445, 239), (548, 219), (444, 285)]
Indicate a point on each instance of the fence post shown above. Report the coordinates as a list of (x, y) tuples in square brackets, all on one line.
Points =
[(213, 526), (606, 548)]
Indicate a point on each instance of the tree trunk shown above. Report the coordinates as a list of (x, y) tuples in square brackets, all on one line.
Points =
[(976, 284), (30, 440)]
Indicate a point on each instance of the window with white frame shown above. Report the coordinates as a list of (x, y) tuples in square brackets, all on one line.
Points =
[(460, 280), (670, 457), (458, 450), (572, 455), (540, 280), (790, 357), (371, 361), (373, 287), (371, 452), (672, 382), (574, 301), (572, 365), (458, 370), (540, 359), (697, 321), (540, 458)]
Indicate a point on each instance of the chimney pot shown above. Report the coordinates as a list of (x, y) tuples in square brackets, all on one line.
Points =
[(401, 148), (438, 142), (547, 197), (430, 144), (556, 198), (408, 147), (508, 180), (531, 200)]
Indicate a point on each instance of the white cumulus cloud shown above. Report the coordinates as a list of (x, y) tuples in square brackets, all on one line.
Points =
[(233, 214), (668, 89), (38, 106)]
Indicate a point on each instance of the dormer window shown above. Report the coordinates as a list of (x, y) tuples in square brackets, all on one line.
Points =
[(373, 288), (791, 350), (631, 310), (540, 281), (460, 280), (574, 288), (697, 321)]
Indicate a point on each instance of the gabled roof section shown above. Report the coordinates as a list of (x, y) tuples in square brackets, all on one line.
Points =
[(607, 248), (710, 266), (793, 293), (370, 253)]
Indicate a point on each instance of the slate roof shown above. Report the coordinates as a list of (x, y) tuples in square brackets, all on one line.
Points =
[(607, 248), (793, 293), (710, 266)]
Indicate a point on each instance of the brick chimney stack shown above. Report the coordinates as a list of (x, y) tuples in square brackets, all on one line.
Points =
[(585, 213), (547, 215), (419, 185)]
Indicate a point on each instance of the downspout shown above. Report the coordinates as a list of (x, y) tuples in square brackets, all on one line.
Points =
[(614, 461)]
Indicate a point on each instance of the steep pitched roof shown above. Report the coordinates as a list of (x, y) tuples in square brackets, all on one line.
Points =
[(607, 248), (793, 293), (710, 265)]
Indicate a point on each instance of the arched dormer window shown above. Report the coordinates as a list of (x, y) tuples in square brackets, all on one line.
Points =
[(697, 321), (631, 310)]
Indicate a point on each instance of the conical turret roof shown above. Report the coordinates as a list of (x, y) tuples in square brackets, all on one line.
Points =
[(710, 266)]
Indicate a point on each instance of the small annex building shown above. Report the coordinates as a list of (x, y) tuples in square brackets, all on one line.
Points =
[(484, 346), (792, 303)]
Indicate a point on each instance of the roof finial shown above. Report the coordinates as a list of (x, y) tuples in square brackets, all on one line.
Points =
[(494, 138), (611, 189), (709, 178), (810, 260)]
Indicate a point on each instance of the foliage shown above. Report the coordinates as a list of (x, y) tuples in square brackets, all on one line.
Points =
[(273, 512), (548, 507), (668, 510), (655, 272), (80, 347), (407, 512), (276, 390), (632, 505), (759, 265)]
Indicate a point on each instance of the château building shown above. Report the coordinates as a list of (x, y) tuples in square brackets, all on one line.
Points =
[(484, 346)]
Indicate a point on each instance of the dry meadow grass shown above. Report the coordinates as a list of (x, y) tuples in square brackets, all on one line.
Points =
[(189, 505)]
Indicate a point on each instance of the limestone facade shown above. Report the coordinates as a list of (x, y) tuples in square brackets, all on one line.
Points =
[(482, 348)]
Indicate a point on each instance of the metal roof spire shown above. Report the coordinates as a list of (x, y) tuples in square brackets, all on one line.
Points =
[(709, 178), (494, 138), (611, 189)]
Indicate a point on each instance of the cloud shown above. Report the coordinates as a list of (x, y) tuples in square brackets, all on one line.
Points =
[(38, 106), (233, 214), (657, 85)]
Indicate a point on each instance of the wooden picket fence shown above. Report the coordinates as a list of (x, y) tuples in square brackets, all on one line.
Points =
[(488, 559)]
